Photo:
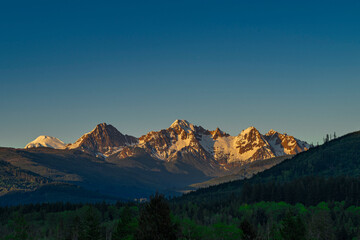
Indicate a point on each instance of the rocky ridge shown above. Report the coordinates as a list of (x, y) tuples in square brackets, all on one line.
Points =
[(183, 137)]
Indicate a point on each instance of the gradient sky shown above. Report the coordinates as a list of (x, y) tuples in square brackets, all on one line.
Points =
[(65, 66)]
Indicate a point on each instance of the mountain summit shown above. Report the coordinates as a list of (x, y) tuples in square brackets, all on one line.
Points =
[(46, 141), (182, 124), (104, 139), (283, 144)]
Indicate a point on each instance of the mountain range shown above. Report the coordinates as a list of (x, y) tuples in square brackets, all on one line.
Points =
[(109, 162), (182, 138)]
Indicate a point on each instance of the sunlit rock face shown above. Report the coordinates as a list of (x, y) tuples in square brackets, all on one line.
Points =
[(249, 145), (104, 139)]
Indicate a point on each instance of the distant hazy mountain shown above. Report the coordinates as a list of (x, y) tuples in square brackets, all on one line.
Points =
[(46, 141)]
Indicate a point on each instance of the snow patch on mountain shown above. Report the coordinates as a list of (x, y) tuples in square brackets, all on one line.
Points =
[(208, 143)]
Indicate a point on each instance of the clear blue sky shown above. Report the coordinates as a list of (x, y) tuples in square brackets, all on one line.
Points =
[(65, 66)]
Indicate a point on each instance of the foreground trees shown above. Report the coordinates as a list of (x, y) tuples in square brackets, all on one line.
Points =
[(91, 226), (155, 221), (248, 230), (20, 227), (292, 228), (126, 226)]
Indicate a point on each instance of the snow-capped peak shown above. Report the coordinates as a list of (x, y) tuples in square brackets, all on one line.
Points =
[(46, 141), (184, 125), (248, 130)]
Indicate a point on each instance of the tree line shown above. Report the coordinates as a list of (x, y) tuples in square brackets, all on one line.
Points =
[(161, 219)]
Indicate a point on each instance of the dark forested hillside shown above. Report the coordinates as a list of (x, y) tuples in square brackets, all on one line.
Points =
[(15, 179), (339, 157), (245, 171), (308, 190), (128, 178), (54, 192)]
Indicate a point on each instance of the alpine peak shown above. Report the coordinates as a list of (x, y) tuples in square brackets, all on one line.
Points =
[(271, 132), (104, 139), (249, 130), (218, 133), (102, 125), (182, 124), (46, 141)]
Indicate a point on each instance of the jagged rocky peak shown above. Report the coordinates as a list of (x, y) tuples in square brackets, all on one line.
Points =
[(167, 143), (182, 125), (104, 139), (46, 141), (106, 130), (250, 134), (250, 141), (271, 132), (283, 144), (218, 133), (249, 145)]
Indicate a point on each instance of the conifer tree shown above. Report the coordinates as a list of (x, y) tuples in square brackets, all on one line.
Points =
[(76, 227), (248, 230), (327, 139), (21, 229), (91, 227), (321, 226), (293, 228), (155, 221), (124, 228)]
